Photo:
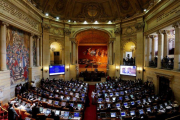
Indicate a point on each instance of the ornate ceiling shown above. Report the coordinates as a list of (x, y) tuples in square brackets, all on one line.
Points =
[(92, 37), (91, 10)]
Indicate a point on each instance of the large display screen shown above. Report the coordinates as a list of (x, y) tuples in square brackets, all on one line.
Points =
[(128, 70), (56, 69)]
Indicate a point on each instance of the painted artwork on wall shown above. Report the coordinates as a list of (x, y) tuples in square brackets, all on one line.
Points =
[(17, 55), (92, 56), (34, 52)]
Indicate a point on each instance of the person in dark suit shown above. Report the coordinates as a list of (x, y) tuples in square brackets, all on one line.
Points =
[(12, 113), (35, 111)]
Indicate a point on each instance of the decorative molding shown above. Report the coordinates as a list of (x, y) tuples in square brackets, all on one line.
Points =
[(5, 23), (170, 77), (167, 13), (56, 31), (117, 31), (139, 26), (67, 31), (176, 24), (20, 15), (129, 31), (46, 26)]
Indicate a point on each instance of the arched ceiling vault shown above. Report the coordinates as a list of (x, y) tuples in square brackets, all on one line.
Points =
[(92, 37)]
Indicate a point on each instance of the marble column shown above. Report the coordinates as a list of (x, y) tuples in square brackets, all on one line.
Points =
[(160, 48), (140, 50), (74, 52), (153, 49), (67, 53), (62, 53), (31, 51), (46, 50), (40, 51), (148, 50), (165, 53), (3, 46), (117, 54), (177, 46), (110, 53), (37, 50)]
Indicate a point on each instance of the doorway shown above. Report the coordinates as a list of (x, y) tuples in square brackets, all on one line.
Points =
[(163, 85)]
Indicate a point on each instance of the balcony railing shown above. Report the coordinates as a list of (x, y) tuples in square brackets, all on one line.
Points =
[(129, 61), (153, 63), (167, 63)]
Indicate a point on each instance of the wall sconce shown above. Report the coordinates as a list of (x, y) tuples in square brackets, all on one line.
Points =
[(132, 48), (117, 68), (67, 67), (52, 47), (139, 69), (46, 69)]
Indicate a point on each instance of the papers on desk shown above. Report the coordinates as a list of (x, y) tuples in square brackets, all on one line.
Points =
[(21, 107), (77, 118), (12, 102)]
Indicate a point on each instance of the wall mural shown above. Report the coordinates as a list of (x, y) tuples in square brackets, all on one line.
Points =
[(92, 56), (34, 52), (17, 56)]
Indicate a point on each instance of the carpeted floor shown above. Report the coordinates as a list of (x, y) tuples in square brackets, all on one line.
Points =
[(90, 112)]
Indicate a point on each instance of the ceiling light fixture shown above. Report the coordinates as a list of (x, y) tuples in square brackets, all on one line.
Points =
[(46, 14), (144, 10), (109, 22), (57, 18), (96, 22), (85, 22)]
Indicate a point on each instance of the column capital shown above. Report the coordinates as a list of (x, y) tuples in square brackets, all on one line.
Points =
[(73, 40), (32, 34), (147, 36), (164, 31), (39, 37), (111, 40), (117, 31), (46, 26), (5, 23), (67, 31), (159, 32), (176, 24), (139, 26)]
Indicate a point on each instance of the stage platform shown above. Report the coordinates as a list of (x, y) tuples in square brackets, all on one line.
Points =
[(103, 79)]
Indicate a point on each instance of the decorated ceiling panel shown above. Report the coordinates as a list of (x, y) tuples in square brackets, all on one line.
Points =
[(91, 10)]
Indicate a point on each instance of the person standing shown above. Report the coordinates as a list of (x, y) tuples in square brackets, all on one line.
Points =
[(12, 113), (35, 111)]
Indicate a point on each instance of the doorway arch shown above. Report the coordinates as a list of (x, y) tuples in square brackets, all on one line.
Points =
[(92, 50)]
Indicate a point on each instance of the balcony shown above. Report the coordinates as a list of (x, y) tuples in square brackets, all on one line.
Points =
[(129, 61), (153, 63), (167, 63)]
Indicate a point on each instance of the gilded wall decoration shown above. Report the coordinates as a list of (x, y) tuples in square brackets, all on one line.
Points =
[(17, 54), (56, 31)]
